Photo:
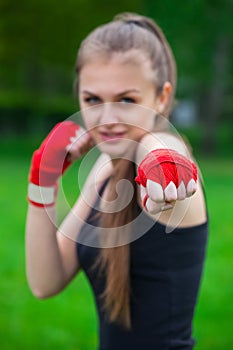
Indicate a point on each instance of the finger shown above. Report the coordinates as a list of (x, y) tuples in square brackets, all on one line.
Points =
[(170, 192), (84, 148), (73, 148), (181, 191), (155, 191), (143, 192), (80, 134), (80, 149), (166, 207), (191, 187), (155, 208), (144, 195), (80, 146), (152, 207)]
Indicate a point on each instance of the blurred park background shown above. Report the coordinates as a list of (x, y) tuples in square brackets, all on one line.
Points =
[(38, 46)]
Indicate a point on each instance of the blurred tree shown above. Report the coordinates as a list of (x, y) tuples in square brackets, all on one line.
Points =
[(38, 44), (39, 40), (201, 35)]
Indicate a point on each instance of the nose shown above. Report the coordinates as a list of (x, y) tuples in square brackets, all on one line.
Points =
[(108, 114)]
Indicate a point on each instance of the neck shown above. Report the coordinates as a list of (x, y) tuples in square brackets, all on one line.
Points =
[(116, 161), (128, 156)]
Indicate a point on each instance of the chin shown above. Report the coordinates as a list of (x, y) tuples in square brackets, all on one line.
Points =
[(121, 150)]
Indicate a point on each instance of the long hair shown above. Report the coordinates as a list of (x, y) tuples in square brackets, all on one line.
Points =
[(128, 31), (114, 260)]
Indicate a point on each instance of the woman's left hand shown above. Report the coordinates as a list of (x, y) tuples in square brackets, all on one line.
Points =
[(165, 176), (79, 145)]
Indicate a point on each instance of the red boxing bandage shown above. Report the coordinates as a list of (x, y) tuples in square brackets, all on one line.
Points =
[(171, 176), (49, 162)]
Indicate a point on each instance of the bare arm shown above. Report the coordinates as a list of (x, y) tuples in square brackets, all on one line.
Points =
[(160, 140), (51, 257), (45, 270)]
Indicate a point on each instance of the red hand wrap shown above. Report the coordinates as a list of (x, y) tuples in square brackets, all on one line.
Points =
[(49, 161), (166, 165)]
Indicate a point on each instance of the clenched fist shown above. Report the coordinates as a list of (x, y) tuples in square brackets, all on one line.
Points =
[(164, 177), (66, 141)]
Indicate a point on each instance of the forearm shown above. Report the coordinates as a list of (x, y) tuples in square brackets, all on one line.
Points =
[(45, 272)]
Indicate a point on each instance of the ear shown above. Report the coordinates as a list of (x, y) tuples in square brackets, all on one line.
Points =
[(163, 98)]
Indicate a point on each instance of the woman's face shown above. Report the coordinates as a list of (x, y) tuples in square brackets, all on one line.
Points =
[(118, 102)]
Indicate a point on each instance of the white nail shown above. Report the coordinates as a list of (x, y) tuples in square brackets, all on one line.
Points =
[(80, 132), (170, 192), (155, 191), (153, 207), (191, 187), (181, 191), (72, 139)]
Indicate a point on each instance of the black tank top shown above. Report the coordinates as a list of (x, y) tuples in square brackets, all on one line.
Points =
[(165, 272)]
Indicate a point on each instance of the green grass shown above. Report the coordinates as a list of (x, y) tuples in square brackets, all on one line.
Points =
[(213, 321), (68, 321)]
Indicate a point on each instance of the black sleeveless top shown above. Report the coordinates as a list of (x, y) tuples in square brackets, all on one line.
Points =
[(165, 272)]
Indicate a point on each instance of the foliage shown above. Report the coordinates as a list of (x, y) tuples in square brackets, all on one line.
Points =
[(38, 46), (201, 35), (193, 29), (39, 42)]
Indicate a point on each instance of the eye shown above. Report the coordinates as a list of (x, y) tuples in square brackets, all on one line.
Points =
[(92, 100), (127, 100)]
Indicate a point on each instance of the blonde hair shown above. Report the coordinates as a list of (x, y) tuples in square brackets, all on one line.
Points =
[(132, 32), (127, 31)]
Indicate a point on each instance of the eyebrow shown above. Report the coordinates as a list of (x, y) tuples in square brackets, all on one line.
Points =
[(118, 95)]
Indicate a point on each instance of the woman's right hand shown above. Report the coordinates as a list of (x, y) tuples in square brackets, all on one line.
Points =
[(165, 176), (66, 142)]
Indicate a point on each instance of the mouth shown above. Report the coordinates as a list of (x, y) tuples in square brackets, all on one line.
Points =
[(112, 136)]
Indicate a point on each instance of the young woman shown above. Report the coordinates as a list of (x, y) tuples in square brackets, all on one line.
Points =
[(143, 185)]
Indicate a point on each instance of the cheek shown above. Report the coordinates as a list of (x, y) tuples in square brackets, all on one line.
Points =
[(86, 123), (145, 123), (137, 133), (142, 116), (91, 129), (89, 120), (142, 127)]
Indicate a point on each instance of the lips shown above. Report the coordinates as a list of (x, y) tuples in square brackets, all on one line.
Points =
[(112, 136)]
